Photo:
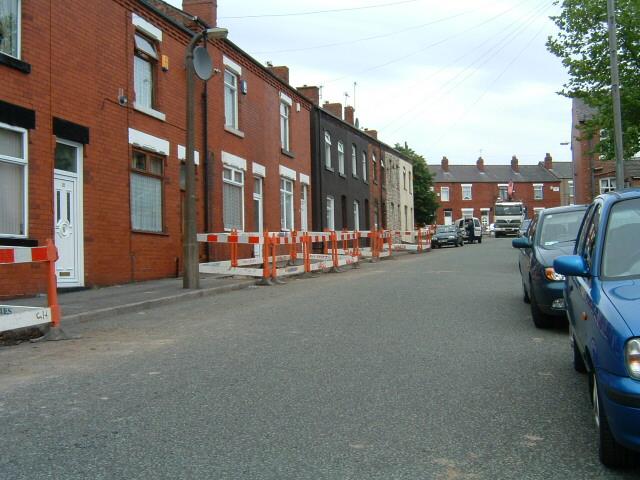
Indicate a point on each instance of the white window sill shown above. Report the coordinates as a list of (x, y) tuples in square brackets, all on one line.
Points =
[(234, 131), (150, 111)]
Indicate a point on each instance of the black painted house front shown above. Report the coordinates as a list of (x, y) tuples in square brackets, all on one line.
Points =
[(336, 181)]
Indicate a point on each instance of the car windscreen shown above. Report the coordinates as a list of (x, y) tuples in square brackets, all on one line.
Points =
[(559, 228), (446, 229), (508, 210), (621, 253)]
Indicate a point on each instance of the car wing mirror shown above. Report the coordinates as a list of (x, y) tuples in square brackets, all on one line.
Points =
[(521, 242), (571, 265)]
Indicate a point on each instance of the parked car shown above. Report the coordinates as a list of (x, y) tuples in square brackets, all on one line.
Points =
[(447, 235), (523, 228), (477, 229), (602, 293), (552, 233)]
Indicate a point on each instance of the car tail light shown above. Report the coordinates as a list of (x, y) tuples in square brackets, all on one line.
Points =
[(632, 357)]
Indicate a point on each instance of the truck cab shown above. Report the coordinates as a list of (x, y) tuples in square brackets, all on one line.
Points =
[(508, 218)]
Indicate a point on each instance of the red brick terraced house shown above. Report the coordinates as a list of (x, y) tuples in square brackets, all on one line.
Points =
[(92, 135), (472, 190)]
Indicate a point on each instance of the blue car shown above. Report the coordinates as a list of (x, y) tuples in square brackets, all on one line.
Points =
[(551, 233), (602, 293)]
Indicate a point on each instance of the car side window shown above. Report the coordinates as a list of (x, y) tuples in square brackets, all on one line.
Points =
[(590, 236), (531, 232)]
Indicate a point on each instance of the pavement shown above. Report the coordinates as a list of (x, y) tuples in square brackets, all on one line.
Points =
[(103, 302)]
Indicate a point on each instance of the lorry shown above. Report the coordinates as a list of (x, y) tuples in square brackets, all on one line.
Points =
[(508, 216)]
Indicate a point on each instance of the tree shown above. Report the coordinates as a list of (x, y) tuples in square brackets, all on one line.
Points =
[(583, 46), (424, 198)]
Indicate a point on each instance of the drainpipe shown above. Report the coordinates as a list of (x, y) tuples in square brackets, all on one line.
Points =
[(205, 164)]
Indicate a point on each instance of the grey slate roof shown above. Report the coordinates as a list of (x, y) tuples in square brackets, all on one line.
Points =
[(562, 170), (632, 168), (493, 174)]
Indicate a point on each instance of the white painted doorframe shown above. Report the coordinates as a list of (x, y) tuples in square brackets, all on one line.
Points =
[(76, 279)]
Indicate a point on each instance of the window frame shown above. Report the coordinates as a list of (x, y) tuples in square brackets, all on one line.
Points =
[(365, 167), (285, 125), (611, 181), (374, 166), (18, 55), (442, 194), (153, 64), (161, 177), (284, 193), (330, 200), (234, 90), (341, 158), (538, 191), (328, 162), (354, 160), (356, 215), (470, 186), (24, 162), (234, 183)]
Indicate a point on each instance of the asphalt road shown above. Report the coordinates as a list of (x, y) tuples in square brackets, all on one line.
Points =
[(423, 367)]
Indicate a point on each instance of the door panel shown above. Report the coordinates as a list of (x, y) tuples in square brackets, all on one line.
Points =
[(65, 229)]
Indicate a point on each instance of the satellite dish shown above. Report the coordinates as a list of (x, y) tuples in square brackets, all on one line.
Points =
[(202, 63)]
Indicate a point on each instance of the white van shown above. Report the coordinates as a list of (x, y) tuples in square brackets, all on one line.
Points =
[(477, 229)]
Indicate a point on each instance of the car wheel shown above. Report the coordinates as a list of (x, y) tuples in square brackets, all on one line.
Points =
[(578, 362), (611, 453), (540, 319), (525, 294), (479, 239)]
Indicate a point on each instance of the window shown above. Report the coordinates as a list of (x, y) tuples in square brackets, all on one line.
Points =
[(10, 27), (503, 192), (230, 99), (147, 172), (410, 184), (330, 213), (304, 225), (375, 168), (444, 194), (356, 215), (13, 181), (354, 161), (365, 167), (144, 68), (404, 178), (466, 191), (537, 191), (588, 236), (232, 198), (406, 218), (285, 109), (327, 151), (607, 184), (467, 213), (286, 204), (341, 158), (257, 204)]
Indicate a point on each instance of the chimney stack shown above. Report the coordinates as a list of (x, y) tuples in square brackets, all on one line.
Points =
[(349, 115), (514, 164), (312, 93), (206, 10), (333, 108), (480, 164), (444, 164), (371, 133), (548, 162), (282, 72)]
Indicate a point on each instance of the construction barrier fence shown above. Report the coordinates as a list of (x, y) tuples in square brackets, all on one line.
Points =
[(13, 317)]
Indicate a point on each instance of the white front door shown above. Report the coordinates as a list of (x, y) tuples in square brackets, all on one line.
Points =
[(304, 226), (257, 213), (67, 210)]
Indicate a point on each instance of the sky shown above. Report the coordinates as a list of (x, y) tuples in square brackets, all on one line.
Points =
[(460, 79)]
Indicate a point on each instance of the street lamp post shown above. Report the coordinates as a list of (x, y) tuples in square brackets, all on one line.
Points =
[(191, 278), (615, 94)]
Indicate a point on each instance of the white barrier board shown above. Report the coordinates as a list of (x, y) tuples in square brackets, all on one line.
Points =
[(13, 317)]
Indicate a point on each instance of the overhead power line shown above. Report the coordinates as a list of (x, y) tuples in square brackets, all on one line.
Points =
[(426, 47), (316, 12), (513, 32), (363, 39)]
